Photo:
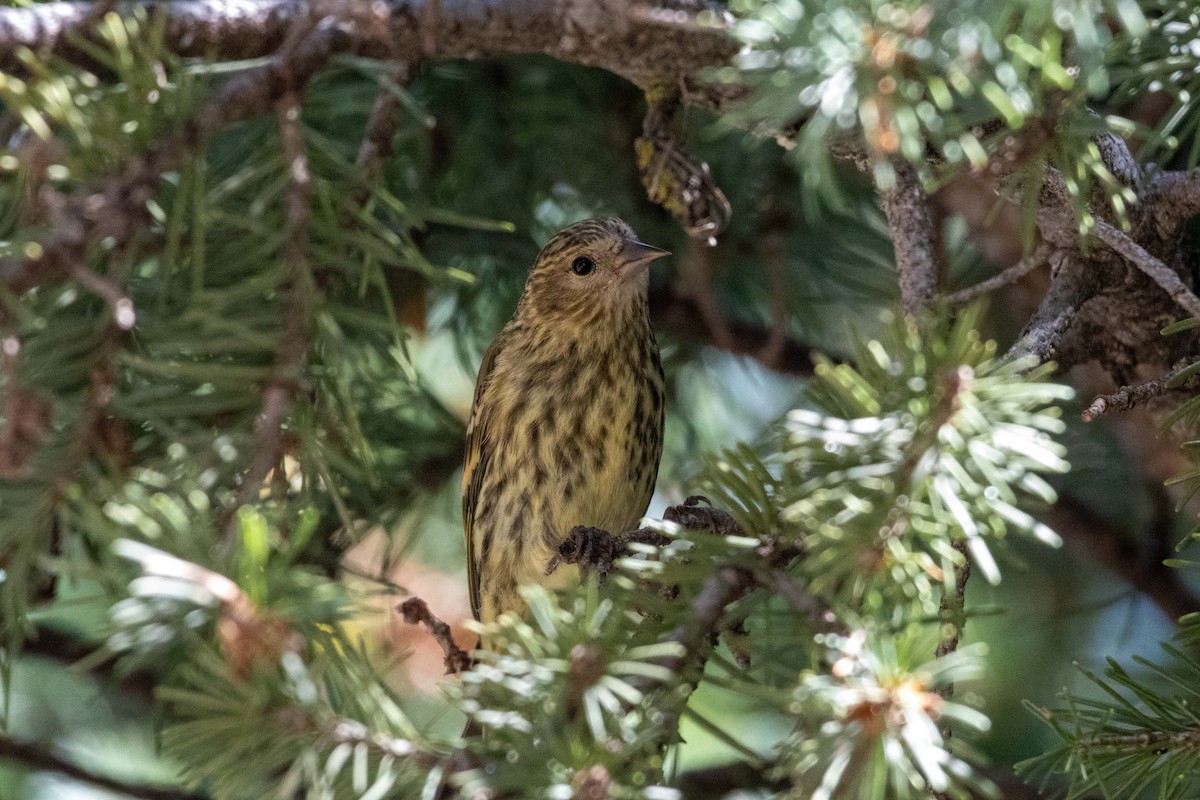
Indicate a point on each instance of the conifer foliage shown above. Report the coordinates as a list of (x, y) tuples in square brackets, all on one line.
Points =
[(233, 238)]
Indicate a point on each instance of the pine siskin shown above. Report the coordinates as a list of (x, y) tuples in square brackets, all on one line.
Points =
[(567, 424)]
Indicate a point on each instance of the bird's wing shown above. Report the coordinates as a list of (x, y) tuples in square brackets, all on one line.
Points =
[(475, 466)]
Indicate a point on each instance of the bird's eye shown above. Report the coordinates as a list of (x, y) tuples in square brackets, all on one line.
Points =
[(582, 265)]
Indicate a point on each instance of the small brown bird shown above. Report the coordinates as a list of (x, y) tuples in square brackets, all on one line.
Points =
[(567, 424)]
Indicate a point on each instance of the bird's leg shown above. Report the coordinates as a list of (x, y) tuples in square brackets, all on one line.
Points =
[(696, 517), (597, 549)]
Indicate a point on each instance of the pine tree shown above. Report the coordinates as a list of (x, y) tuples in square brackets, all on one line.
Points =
[(251, 256)]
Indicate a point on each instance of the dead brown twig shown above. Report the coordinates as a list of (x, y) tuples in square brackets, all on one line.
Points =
[(416, 612)]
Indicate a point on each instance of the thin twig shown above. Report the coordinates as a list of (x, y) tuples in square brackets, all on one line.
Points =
[(1152, 267), (1126, 397), (280, 391), (37, 757), (952, 612), (1010, 275), (416, 612)]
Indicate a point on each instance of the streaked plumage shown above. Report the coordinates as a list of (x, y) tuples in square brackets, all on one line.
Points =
[(566, 425)]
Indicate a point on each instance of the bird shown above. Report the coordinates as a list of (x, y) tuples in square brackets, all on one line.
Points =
[(566, 425)]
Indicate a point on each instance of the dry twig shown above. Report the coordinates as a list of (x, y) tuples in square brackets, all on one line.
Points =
[(1008, 276), (1152, 267), (416, 612), (1125, 398)]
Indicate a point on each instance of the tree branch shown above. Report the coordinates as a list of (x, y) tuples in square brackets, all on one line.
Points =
[(1152, 267), (1174, 198), (376, 144), (416, 612), (1048, 326), (649, 45), (37, 757), (911, 229), (1010, 275), (297, 290), (1126, 397)]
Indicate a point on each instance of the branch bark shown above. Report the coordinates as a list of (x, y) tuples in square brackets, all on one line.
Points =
[(1152, 267), (906, 207), (648, 45)]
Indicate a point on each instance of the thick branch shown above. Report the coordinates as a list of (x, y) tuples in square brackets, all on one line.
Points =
[(38, 758), (1172, 198), (1152, 267), (627, 38), (907, 209)]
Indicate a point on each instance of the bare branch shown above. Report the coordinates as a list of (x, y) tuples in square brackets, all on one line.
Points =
[(1171, 199), (416, 612), (907, 209), (1044, 333), (1008, 276), (1125, 398), (666, 46), (1152, 267)]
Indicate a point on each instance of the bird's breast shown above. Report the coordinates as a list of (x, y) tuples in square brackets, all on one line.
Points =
[(590, 420)]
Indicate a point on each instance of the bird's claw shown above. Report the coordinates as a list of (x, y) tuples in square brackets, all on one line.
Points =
[(595, 549), (696, 517)]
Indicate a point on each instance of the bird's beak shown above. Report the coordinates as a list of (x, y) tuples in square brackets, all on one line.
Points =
[(636, 257)]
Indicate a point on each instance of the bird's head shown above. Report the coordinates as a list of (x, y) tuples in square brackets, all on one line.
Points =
[(589, 270)]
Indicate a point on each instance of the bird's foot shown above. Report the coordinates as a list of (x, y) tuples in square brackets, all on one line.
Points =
[(696, 517), (595, 549)]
